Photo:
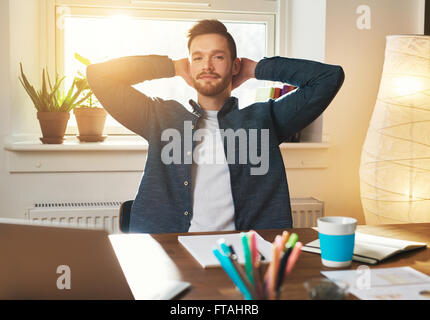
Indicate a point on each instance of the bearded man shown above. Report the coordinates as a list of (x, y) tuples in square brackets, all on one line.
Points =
[(199, 195)]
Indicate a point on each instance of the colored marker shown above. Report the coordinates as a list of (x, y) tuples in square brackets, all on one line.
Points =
[(228, 267), (224, 247), (294, 256), (281, 271), (253, 246), (274, 266), (285, 237), (259, 283), (242, 274), (280, 247), (247, 254), (291, 241), (254, 255), (285, 257)]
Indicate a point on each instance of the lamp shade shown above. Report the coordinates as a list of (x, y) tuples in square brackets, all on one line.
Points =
[(395, 159)]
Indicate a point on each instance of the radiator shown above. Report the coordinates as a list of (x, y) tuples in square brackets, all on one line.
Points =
[(306, 211), (87, 215), (105, 215)]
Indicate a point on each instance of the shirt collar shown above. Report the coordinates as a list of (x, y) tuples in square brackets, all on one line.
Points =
[(230, 105)]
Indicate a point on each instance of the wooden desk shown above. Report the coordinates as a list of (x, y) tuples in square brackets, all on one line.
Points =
[(213, 283)]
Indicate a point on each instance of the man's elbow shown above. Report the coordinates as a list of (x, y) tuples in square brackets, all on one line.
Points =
[(338, 75)]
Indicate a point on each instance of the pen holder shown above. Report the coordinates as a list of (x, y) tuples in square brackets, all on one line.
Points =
[(251, 280)]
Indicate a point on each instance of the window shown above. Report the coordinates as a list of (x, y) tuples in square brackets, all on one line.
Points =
[(100, 34)]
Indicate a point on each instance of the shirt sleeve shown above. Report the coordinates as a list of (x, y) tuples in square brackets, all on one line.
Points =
[(112, 82), (317, 84)]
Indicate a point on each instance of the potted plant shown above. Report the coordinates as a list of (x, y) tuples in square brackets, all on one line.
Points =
[(53, 105), (90, 115)]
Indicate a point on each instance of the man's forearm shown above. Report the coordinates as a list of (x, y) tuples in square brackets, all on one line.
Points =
[(131, 70), (318, 84), (112, 81), (299, 72)]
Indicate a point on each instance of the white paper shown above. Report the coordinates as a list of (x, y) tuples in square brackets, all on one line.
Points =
[(201, 247), (403, 283)]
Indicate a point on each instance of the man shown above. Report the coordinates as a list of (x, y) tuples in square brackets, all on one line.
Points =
[(194, 195)]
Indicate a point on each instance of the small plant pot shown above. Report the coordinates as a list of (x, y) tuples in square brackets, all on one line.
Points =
[(53, 126), (91, 122)]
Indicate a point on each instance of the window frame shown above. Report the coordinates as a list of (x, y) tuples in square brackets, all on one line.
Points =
[(178, 10)]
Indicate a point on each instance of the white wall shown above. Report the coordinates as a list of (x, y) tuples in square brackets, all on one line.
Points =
[(361, 54), (4, 97), (306, 40), (306, 29), (325, 31), (24, 47)]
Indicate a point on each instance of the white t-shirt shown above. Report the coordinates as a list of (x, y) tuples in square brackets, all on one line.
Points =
[(212, 200)]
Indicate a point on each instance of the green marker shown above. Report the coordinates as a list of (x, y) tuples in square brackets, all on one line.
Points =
[(248, 262), (291, 241)]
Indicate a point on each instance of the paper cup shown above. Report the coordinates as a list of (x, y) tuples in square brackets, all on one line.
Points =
[(337, 240)]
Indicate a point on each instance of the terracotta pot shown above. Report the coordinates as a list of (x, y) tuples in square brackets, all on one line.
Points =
[(91, 122), (53, 125)]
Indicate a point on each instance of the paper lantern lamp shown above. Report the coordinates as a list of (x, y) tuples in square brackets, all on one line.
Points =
[(395, 160)]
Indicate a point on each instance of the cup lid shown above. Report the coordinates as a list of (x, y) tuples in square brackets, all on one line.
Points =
[(338, 220), (336, 225)]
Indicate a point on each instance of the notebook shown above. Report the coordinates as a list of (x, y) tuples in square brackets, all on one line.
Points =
[(57, 262), (372, 249), (201, 246)]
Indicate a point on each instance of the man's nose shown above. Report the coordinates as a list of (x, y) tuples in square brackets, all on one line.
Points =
[(207, 64)]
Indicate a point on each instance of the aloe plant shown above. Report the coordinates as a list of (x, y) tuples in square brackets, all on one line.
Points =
[(91, 101), (55, 99)]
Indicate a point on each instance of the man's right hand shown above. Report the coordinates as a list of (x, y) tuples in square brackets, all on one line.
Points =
[(182, 69)]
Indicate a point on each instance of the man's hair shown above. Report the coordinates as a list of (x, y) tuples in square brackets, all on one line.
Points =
[(212, 26)]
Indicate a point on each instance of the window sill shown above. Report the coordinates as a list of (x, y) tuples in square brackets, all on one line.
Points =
[(122, 153), (27, 154), (72, 143)]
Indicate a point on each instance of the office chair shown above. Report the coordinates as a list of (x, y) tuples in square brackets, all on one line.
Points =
[(124, 216)]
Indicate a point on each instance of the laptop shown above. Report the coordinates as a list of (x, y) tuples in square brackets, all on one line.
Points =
[(55, 262)]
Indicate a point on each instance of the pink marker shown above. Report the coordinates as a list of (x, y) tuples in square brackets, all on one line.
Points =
[(295, 253), (253, 246)]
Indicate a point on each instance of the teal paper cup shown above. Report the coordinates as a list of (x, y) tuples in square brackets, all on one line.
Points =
[(337, 240)]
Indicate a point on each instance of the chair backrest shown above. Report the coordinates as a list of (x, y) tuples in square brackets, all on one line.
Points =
[(124, 216)]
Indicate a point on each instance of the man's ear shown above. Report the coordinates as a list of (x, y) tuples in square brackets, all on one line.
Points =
[(236, 66)]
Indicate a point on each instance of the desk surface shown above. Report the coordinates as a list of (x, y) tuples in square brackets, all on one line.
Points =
[(213, 283)]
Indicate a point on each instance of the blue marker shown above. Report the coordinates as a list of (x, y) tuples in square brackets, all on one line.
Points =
[(228, 267), (224, 247)]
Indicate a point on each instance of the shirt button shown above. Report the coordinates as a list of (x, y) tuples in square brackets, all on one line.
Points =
[(185, 183), (186, 213)]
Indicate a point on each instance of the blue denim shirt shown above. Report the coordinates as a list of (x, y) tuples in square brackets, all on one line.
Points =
[(163, 201)]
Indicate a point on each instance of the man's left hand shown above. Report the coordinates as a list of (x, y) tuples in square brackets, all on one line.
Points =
[(246, 72)]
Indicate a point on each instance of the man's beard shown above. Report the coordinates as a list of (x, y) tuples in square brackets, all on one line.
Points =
[(210, 89)]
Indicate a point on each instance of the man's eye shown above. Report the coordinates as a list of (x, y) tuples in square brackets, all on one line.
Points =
[(219, 57), (197, 58)]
